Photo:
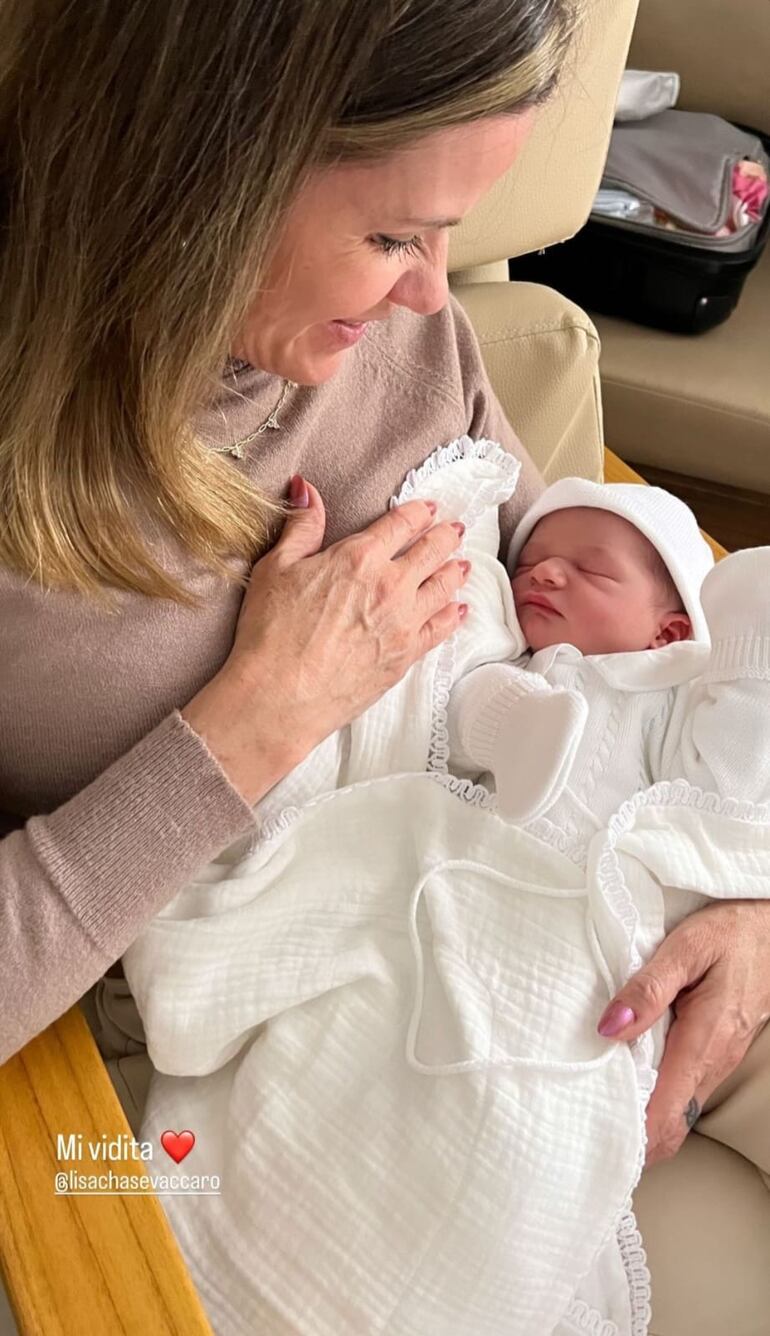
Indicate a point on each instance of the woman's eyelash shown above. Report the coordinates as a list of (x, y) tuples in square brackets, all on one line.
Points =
[(392, 246)]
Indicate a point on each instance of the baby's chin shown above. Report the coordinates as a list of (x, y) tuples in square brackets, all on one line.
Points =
[(541, 629), (541, 632)]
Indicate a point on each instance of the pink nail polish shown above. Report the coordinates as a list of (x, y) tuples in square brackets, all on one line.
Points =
[(462, 611), (615, 1019), (432, 507)]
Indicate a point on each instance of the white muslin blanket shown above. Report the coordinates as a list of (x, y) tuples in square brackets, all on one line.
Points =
[(379, 1022)]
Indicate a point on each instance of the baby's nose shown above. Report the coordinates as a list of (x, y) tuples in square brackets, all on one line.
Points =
[(550, 571)]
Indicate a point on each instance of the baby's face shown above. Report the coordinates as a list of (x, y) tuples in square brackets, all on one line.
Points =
[(587, 577)]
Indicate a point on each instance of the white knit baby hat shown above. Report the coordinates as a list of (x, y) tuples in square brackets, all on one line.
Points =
[(666, 521)]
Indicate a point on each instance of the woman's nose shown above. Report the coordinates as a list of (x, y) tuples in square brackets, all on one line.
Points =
[(423, 288)]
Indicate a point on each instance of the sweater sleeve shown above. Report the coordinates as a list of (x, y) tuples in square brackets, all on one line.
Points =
[(78, 885), (513, 723), (718, 737)]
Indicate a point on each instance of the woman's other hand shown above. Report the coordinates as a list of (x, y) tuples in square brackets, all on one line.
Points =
[(714, 969)]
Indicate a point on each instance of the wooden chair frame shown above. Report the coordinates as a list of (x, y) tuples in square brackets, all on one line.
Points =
[(90, 1263)]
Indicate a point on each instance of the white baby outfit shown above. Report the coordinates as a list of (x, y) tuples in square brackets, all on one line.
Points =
[(379, 1016), (619, 722)]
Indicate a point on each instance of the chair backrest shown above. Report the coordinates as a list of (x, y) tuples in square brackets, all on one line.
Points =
[(547, 195), (720, 50)]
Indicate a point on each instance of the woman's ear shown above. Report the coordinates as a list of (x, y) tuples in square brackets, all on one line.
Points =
[(673, 626)]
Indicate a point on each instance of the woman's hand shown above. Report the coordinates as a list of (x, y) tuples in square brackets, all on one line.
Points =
[(714, 969), (322, 635)]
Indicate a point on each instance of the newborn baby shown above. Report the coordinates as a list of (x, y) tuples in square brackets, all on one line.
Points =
[(590, 578), (609, 594)]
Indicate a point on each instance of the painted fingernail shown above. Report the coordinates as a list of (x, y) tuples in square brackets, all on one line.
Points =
[(298, 493), (459, 527), (615, 1019), (432, 507), (462, 611), (465, 567)]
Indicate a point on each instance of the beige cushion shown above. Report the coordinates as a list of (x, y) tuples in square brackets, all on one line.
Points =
[(698, 405), (721, 50), (705, 1220), (541, 353), (547, 195)]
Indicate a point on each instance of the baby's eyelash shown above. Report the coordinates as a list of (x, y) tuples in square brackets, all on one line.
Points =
[(392, 246)]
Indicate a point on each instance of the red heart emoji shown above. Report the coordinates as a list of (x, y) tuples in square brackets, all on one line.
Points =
[(177, 1144)]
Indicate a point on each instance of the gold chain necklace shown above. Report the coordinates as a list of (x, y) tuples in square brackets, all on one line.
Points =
[(270, 423)]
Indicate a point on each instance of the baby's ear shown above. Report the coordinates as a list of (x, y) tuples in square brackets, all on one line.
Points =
[(673, 626)]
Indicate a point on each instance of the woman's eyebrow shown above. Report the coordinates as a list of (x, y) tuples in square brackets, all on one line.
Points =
[(429, 222)]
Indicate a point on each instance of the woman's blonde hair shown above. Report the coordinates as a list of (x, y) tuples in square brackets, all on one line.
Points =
[(148, 154)]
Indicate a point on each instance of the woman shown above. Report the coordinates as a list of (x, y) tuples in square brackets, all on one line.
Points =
[(270, 185)]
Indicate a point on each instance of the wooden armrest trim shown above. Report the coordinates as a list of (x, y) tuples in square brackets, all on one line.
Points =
[(76, 1264)]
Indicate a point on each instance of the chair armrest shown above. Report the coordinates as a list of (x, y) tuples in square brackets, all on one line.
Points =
[(616, 471), (81, 1263)]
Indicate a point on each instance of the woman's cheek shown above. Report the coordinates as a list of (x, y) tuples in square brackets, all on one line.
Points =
[(374, 281)]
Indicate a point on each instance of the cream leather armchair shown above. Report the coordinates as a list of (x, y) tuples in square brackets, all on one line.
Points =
[(704, 1216)]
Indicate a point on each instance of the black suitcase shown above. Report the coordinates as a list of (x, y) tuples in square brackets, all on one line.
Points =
[(644, 276)]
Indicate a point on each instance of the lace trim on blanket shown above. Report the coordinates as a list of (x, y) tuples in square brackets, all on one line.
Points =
[(560, 839), (475, 794), (582, 1319), (542, 829), (680, 793), (637, 1271), (491, 492), (438, 746)]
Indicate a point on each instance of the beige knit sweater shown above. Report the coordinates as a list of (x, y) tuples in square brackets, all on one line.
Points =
[(121, 798)]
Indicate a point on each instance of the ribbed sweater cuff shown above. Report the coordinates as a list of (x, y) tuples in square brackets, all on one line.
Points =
[(739, 656), (480, 735), (121, 848)]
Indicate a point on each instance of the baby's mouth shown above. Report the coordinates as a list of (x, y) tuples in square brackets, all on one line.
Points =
[(539, 601)]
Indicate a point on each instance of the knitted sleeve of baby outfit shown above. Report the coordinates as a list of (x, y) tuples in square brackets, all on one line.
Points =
[(511, 722), (718, 734)]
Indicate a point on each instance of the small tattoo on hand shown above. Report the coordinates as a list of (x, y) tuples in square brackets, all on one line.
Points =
[(692, 1113)]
